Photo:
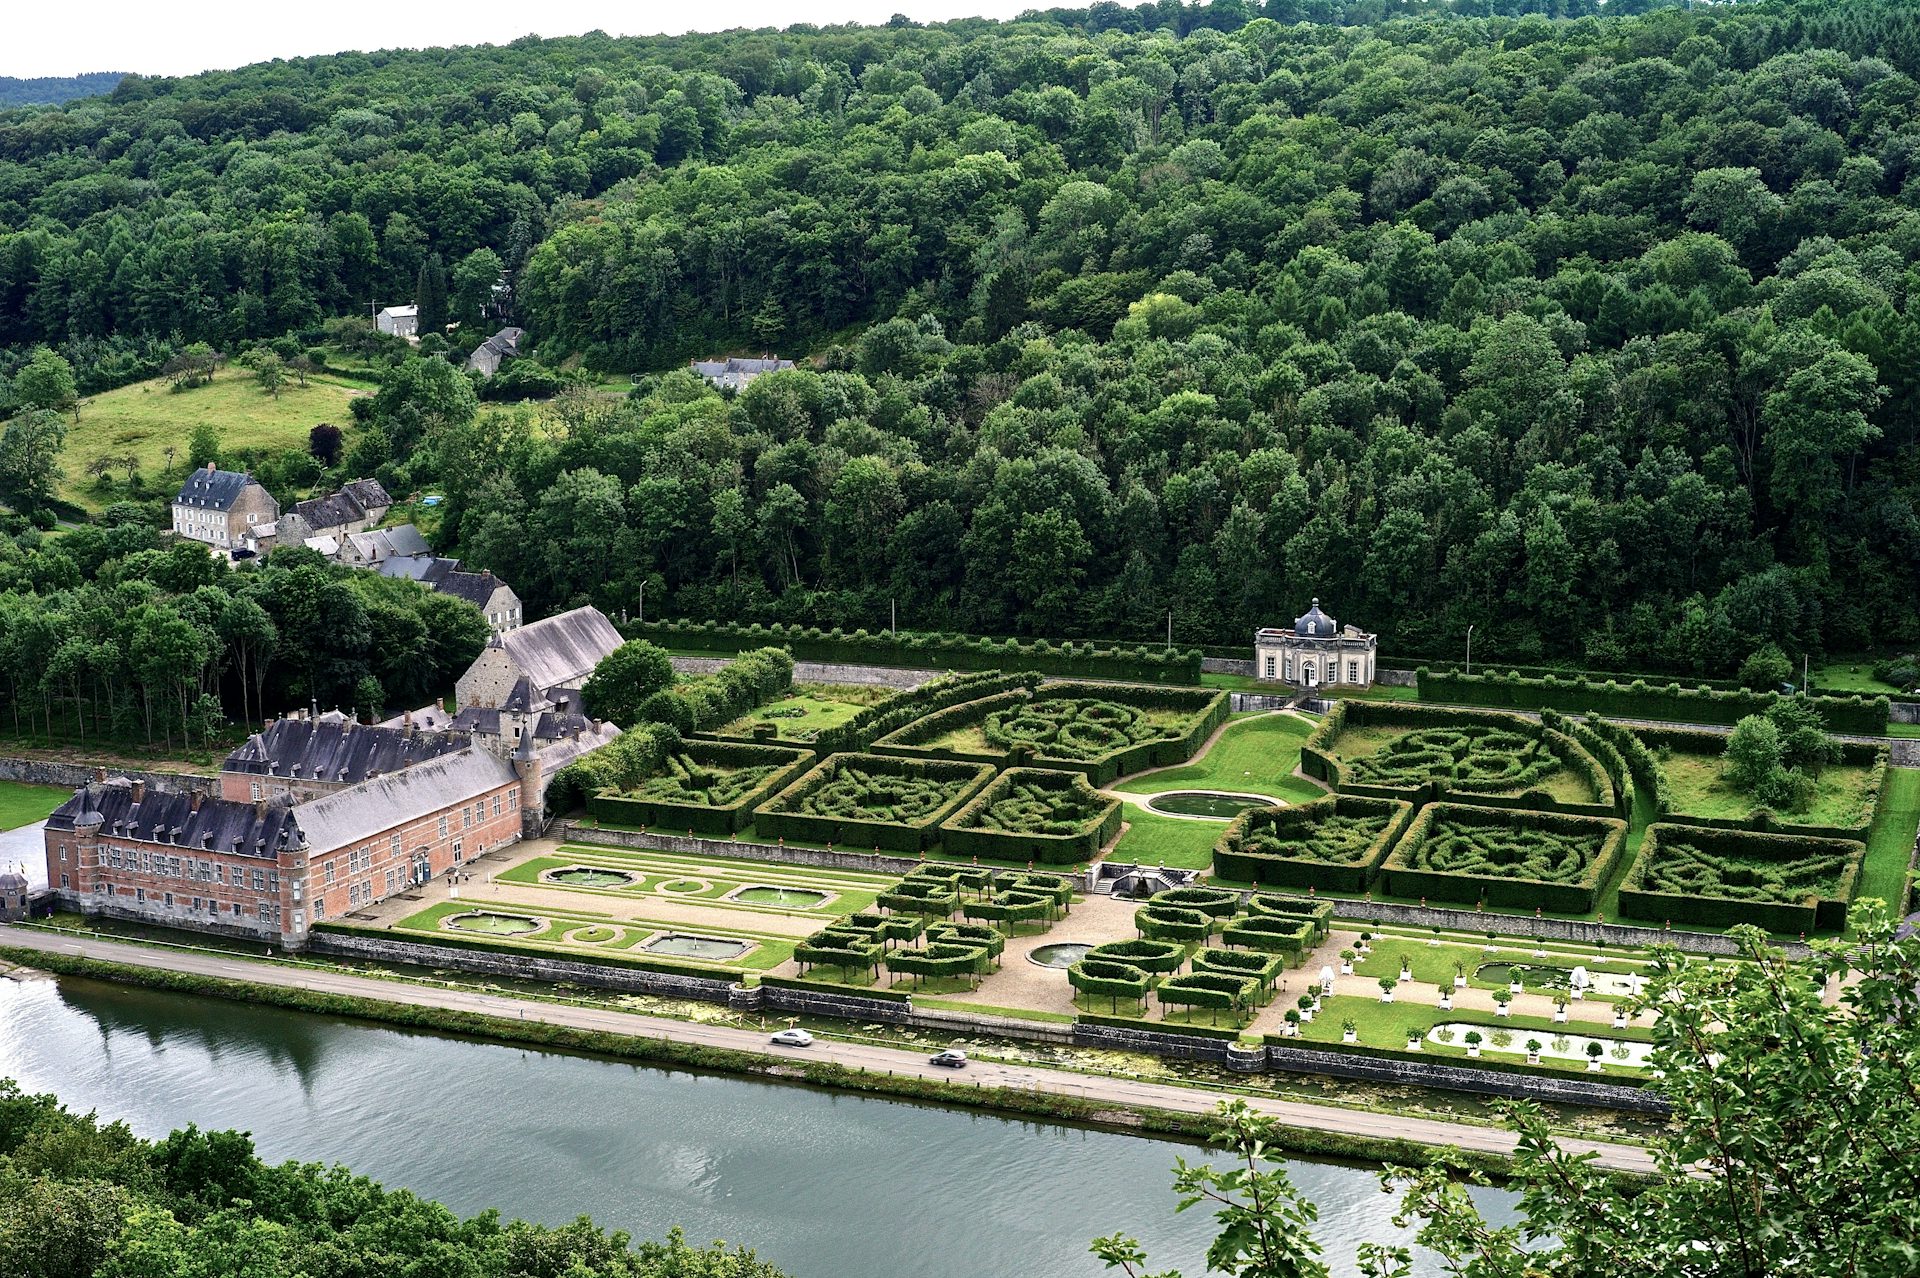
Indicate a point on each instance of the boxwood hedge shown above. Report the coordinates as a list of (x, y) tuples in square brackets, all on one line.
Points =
[(1505, 856), (1290, 938), (1319, 913), (1034, 814), (1159, 957), (869, 800), (1638, 699), (1332, 844), (700, 800), (1781, 882)]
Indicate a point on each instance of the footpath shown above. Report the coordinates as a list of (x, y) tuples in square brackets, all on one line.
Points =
[(859, 1056)]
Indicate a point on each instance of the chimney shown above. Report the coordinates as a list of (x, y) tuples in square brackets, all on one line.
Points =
[(193, 803), (259, 811), (210, 466), (439, 703), (139, 790), (406, 725), (100, 775)]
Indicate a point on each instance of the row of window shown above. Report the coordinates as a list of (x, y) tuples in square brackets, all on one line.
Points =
[(265, 911), (175, 867), (1310, 671)]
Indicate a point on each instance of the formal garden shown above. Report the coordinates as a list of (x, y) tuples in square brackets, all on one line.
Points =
[(600, 937), (705, 787), (1333, 844), (872, 801), (1504, 856), (806, 711), (1716, 878), (1034, 814), (1424, 752)]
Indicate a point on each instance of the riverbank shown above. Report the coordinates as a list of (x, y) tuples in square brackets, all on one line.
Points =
[(1102, 1102)]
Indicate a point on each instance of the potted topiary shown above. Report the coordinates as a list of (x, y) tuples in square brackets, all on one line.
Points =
[(1293, 1024), (1560, 1010), (1459, 976), (1436, 938), (1386, 989), (1346, 962), (1594, 1052), (1533, 1051), (1307, 1007), (1413, 1040), (1366, 943), (1473, 1042), (1406, 970), (1619, 1018), (1446, 999), (1502, 1002), (1514, 984), (1349, 1032)]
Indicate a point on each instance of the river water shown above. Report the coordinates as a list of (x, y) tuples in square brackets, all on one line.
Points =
[(823, 1185)]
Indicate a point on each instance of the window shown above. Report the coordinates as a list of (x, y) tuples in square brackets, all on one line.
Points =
[(394, 845), (259, 880), (329, 869), (1353, 672), (220, 873), (389, 882), (466, 818), (259, 791), (236, 909), (1270, 664), (1289, 668), (443, 825), (456, 851), (63, 881), (496, 805), (169, 900), (319, 909), (513, 800)]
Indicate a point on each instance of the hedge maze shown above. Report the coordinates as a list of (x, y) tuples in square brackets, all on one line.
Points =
[(920, 907), (872, 800), (710, 787), (1102, 730), (1505, 856), (1425, 753), (1034, 814), (1781, 882), (1333, 844)]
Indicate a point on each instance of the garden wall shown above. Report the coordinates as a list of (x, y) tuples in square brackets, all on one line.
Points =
[(1145, 663), (962, 835), (775, 853), (525, 966), (780, 817), (71, 776), (1713, 744), (1233, 861)]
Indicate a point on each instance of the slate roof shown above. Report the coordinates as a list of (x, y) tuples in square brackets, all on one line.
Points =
[(387, 543), (349, 816), (311, 749), (428, 570), (561, 651), (169, 817), (337, 509), (212, 489), (486, 357), (475, 587), (1315, 624)]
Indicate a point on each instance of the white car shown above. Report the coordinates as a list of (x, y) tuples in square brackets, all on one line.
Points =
[(792, 1038)]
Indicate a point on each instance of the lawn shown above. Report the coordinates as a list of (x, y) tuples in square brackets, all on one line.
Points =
[(581, 934), (1179, 842), (1843, 797), (1890, 842), (1405, 756), (1385, 1025), (808, 709), (150, 422), (24, 804), (1246, 683), (1850, 674), (1255, 753)]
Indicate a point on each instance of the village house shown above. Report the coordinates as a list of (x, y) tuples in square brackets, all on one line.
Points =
[(222, 508), (492, 596), (496, 350), (397, 321), (365, 549), (733, 373)]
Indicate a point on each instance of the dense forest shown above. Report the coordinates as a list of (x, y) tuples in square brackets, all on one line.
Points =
[(45, 90), (1594, 333), (79, 1197)]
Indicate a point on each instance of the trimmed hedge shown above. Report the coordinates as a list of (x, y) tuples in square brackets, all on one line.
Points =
[(700, 703), (1639, 699), (1109, 979), (1264, 968), (1332, 844), (1604, 752), (1214, 991), (1145, 663), (1318, 761), (1320, 913), (1575, 893), (926, 897), (1159, 957), (1781, 882), (781, 817), (1207, 710), (1088, 819), (723, 820), (1173, 923), (1290, 938)]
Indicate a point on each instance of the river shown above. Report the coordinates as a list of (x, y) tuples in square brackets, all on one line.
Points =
[(824, 1185)]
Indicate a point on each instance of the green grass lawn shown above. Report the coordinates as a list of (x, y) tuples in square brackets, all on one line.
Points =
[(24, 804), (810, 708), (1850, 674), (1255, 753), (1890, 842), (1909, 730), (1152, 839), (1359, 742), (148, 419), (1246, 683), (1843, 797), (568, 932)]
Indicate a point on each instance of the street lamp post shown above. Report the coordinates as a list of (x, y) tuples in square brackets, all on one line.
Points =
[(1469, 649), (643, 603)]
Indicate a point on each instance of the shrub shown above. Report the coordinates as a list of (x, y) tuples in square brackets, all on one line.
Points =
[(1272, 934), (1263, 968), (1160, 922), (871, 801), (1211, 990), (1639, 699), (704, 702), (870, 723), (1332, 844), (1159, 957), (1110, 979), (1781, 882), (1505, 857), (1029, 814), (1318, 913)]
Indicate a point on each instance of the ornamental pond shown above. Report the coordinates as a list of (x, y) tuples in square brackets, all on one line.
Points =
[(809, 1179)]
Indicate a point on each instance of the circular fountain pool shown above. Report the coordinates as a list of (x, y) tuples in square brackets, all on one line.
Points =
[(1548, 976), (1217, 805), (492, 924), (1059, 954), (681, 945), (790, 898), (590, 876)]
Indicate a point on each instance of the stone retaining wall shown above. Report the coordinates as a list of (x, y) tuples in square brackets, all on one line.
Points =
[(385, 949), (71, 776), (156, 913), (1903, 711), (819, 858), (1904, 752), (824, 672), (1227, 666), (1452, 1076), (1545, 929)]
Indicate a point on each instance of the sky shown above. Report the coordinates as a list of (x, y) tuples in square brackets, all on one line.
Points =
[(50, 37)]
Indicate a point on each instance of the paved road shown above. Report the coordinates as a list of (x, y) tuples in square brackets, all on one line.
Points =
[(856, 1055)]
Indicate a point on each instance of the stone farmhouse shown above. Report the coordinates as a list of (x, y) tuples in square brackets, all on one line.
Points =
[(398, 321), (554, 655), (366, 549), (1315, 652), (496, 350), (492, 596), (733, 373), (225, 509)]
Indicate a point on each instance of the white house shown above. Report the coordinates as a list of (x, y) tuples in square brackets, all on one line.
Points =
[(398, 321)]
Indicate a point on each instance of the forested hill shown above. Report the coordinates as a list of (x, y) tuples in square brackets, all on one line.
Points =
[(42, 90), (1594, 333)]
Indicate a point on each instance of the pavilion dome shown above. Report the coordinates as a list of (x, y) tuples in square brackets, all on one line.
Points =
[(1315, 624)]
